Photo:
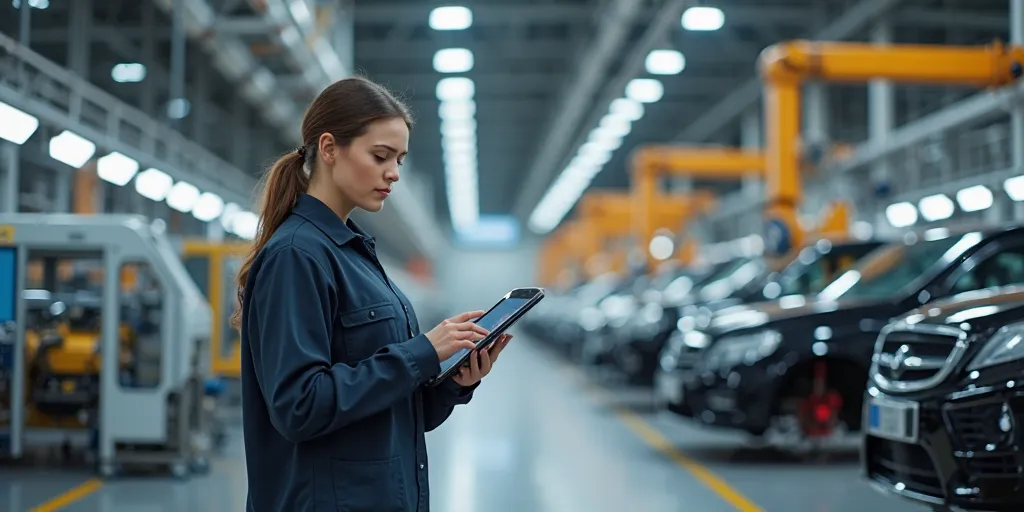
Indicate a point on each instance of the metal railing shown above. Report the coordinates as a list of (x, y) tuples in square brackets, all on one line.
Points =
[(60, 98)]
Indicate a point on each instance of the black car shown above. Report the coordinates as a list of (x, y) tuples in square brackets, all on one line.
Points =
[(944, 409), (637, 351), (796, 368)]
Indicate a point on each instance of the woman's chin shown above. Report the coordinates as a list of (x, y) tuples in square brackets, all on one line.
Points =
[(374, 205)]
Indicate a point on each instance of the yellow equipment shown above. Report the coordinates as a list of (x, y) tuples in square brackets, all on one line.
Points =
[(213, 266), (785, 66)]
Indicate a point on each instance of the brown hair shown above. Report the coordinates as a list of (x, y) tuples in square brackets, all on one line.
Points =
[(345, 109)]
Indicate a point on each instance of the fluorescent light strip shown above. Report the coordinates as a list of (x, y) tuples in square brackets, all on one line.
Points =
[(459, 149), (590, 159)]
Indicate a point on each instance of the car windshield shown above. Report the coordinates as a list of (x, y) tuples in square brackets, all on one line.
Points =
[(733, 276), (890, 269), (812, 270)]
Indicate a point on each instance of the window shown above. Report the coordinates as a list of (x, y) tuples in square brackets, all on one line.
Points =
[(1001, 269)]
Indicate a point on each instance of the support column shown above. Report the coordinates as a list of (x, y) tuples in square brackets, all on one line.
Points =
[(79, 37), (200, 116), (881, 118), (147, 100), (343, 28), (177, 106), (241, 140), (11, 167), (1017, 114)]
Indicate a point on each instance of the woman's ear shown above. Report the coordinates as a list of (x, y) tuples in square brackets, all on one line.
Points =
[(326, 148)]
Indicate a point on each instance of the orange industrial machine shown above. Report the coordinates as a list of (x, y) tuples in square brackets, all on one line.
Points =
[(613, 214), (785, 66), (650, 163)]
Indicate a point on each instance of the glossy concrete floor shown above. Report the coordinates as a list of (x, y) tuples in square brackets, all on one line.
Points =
[(537, 437)]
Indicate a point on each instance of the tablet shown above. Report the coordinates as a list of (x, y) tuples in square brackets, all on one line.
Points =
[(496, 320)]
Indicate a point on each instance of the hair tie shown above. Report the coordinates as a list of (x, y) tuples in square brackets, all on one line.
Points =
[(302, 152)]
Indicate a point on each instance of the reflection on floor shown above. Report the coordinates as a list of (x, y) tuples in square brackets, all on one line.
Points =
[(538, 438)]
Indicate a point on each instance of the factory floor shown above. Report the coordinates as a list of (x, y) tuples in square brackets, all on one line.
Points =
[(538, 436)]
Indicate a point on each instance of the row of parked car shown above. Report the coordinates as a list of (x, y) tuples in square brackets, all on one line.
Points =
[(914, 344)]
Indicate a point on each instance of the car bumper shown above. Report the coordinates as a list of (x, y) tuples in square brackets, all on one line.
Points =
[(739, 397), (963, 457)]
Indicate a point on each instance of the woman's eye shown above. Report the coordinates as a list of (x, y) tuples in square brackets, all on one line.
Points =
[(381, 158)]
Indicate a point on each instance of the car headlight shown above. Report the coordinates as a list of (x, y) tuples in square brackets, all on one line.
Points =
[(748, 349), (1006, 345)]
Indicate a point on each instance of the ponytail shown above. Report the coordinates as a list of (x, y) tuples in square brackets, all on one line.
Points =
[(283, 184)]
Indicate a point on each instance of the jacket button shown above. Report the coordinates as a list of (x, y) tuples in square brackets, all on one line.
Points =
[(373, 314), (422, 466)]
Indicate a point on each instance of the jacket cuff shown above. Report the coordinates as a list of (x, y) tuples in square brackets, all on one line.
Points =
[(422, 357), (460, 393)]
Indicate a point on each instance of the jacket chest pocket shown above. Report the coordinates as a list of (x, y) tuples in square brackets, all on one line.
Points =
[(366, 329)]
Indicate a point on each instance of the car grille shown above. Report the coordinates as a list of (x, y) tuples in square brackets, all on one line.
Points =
[(902, 463), (915, 358), (984, 435)]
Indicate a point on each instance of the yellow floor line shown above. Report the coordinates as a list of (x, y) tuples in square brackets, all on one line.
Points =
[(71, 496), (701, 473)]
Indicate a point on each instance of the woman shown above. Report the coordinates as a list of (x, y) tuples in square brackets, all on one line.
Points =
[(334, 367)]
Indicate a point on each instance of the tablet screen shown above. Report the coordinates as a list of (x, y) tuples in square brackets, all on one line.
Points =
[(490, 321)]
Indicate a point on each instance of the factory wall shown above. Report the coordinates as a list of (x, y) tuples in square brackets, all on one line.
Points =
[(476, 279)]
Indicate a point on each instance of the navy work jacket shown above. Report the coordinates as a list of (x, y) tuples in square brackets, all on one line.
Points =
[(334, 401)]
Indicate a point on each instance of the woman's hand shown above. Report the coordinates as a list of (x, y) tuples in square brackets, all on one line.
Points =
[(481, 362), (456, 333)]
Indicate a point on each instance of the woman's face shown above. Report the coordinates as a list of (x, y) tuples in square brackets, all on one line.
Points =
[(365, 170)]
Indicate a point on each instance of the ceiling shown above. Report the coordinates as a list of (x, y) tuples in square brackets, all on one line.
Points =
[(526, 56)]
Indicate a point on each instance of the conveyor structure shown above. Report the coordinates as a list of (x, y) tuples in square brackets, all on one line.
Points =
[(114, 285)]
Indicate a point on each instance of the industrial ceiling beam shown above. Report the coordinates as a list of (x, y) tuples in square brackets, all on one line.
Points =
[(404, 13), (559, 143), (617, 20), (732, 105)]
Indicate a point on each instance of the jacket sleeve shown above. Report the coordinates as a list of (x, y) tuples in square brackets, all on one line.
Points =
[(290, 317), (439, 401)]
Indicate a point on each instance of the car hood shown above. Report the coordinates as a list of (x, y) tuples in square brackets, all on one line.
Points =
[(798, 309), (975, 310)]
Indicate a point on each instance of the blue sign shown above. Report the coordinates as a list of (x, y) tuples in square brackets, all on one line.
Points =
[(490, 232), (8, 267)]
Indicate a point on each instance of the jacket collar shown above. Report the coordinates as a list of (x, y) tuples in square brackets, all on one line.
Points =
[(321, 216)]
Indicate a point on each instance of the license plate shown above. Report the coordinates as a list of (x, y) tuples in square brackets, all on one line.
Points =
[(893, 419), (670, 388)]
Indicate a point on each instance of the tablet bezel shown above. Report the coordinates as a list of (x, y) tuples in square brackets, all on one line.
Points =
[(535, 294)]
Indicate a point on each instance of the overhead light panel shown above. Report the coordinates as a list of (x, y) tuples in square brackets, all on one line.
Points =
[(901, 215), (18, 126), (665, 62), (128, 72), (973, 199), (936, 207), (644, 90), (183, 196), (35, 4), (209, 206), (1014, 187), (450, 18), (457, 110), (230, 210), (245, 224), (153, 184), (116, 168), (455, 88), (703, 19), (453, 60), (71, 148), (627, 109)]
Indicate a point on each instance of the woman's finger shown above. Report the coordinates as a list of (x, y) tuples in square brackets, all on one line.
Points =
[(474, 365), (485, 363), (468, 315)]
